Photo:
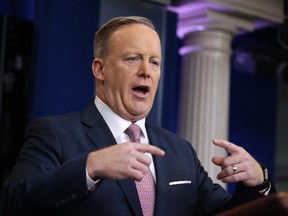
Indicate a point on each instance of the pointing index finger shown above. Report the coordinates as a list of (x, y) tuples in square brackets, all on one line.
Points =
[(228, 146), (147, 148)]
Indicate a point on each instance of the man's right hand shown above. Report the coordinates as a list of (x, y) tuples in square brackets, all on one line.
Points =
[(121, 161)]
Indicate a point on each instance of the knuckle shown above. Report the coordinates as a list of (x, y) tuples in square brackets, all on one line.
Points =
[(241, 149), (225, 163), (129, 162)]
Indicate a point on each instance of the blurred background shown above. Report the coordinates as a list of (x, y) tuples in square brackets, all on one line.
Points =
[(46, 53)]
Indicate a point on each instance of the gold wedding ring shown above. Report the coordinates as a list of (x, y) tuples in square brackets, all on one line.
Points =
[(234, 169)]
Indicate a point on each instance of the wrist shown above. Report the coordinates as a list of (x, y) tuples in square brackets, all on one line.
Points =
[(91, 169), (262, 188), (265, 185)]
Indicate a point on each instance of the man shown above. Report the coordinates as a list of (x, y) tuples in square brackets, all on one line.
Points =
[(92, 163)]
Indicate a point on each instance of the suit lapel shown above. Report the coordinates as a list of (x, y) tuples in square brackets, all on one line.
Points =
[(161, 169), (129, 189), (101, 137), (97, 131)]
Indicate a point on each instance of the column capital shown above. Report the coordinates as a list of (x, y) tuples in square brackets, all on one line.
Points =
[(232, 16), (209, 40)]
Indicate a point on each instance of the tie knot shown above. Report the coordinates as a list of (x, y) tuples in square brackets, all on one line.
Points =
[(134, 132)]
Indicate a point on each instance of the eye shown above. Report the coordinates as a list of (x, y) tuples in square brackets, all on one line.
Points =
[(133, 58), (155, 62)]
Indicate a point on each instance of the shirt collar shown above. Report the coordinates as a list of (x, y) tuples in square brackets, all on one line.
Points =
[(116, 124)]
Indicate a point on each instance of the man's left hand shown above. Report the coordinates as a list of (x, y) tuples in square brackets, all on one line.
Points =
[(238, 166)]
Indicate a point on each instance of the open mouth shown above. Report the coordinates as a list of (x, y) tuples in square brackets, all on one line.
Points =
[(141, 89)]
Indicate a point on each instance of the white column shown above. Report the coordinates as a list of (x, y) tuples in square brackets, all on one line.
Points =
[(207, 28), (204, 97)]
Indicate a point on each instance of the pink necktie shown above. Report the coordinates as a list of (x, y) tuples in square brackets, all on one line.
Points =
[(145, 187)]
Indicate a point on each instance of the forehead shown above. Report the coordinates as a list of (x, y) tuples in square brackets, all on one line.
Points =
[(136, 26), (136, 35)]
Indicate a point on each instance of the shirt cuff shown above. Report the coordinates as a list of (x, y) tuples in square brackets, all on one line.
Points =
[(91, 184)]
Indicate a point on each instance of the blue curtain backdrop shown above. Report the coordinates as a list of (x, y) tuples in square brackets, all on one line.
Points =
[(253, 98), (172, 72), (63, 80), (63, 52), (21, 8)]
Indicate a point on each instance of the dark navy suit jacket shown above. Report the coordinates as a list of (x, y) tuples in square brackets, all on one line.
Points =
[(50, 175)]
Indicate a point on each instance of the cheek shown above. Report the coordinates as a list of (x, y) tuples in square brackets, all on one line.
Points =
[(119, 89), (155, 83), (114, 81)]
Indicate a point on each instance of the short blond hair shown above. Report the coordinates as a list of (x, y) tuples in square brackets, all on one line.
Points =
[(102, 36)]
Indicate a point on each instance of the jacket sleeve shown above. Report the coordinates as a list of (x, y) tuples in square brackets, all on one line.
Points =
[(39, 179), (245, 194)]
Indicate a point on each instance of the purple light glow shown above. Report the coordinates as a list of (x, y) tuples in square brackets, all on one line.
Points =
[(193, 16), (189, 8), (182, 31), (189, 49)]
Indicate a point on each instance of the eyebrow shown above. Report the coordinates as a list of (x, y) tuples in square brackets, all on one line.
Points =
[(141, 55)]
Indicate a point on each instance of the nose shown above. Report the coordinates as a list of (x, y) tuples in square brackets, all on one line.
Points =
[(144, 70)]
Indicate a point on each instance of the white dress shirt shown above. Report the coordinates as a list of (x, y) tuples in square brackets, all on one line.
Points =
[(118, 125)]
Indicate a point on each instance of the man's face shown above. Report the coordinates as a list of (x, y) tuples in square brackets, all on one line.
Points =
[(129, 75)]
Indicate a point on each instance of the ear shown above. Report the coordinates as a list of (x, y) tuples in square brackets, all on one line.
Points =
[(97, 68)]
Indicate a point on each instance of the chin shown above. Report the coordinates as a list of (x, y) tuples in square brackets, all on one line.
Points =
[(139, 115)]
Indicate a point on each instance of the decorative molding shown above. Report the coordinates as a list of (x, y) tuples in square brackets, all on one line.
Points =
[(233, 16), (270, 10)]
